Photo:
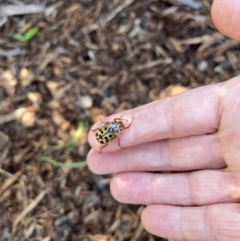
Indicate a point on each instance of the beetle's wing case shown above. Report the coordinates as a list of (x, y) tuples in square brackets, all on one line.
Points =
[(109, 131), (101, 132)]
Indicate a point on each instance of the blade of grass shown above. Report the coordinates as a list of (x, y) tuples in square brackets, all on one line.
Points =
[(70, 144), (61, 165)]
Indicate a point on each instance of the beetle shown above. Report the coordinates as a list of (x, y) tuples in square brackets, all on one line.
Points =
[(109, 131)]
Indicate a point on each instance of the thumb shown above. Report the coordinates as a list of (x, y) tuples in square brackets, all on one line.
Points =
[(225, 16)]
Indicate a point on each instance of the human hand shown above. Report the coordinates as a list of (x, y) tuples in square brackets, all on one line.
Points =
[(196, 136)]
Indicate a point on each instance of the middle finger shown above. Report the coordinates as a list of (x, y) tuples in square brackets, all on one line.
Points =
[(181, 154)]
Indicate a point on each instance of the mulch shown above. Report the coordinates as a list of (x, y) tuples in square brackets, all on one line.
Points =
[(89, 59)]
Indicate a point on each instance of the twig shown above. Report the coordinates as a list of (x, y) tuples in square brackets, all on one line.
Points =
[(107, 19), (27, 210), (10, 10)]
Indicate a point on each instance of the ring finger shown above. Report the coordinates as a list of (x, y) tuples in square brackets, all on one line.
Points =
[(185, 189)]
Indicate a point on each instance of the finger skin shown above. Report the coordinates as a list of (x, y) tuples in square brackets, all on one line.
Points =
[(181, 154), (185, 189), (219, 222), (225, 16), (185, 114)]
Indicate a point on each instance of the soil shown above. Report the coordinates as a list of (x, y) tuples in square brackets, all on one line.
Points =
[(89, 59)]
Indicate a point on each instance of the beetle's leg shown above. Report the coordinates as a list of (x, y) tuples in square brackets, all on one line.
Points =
[(100, 126), (126, 127), (119, 143), (104, 122), (120, 118), (102, 148), (95, 129)]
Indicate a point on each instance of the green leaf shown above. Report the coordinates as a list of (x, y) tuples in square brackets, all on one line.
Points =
[(27, 36), (19, 37), (31, 33)]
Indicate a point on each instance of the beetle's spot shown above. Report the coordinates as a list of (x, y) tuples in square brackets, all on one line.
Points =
[(110, 136), (102, 142), (111, 130), (105, 128)]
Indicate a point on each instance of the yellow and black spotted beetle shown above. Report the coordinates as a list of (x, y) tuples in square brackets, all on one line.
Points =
[(109, 131)]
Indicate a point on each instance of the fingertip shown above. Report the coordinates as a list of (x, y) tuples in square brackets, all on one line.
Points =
[(162, 220), (106, 162), (114, 187), (132, 187), (225, 16), (146, 218), (95, 162), (143, 217), (92, 139), (121, 187), (216, 15), (90, 159)]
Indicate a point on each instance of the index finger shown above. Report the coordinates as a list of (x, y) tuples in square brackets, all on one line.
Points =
[(194, 112)]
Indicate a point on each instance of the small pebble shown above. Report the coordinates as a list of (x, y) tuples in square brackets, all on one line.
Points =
[(85, 102), (202, 66)]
